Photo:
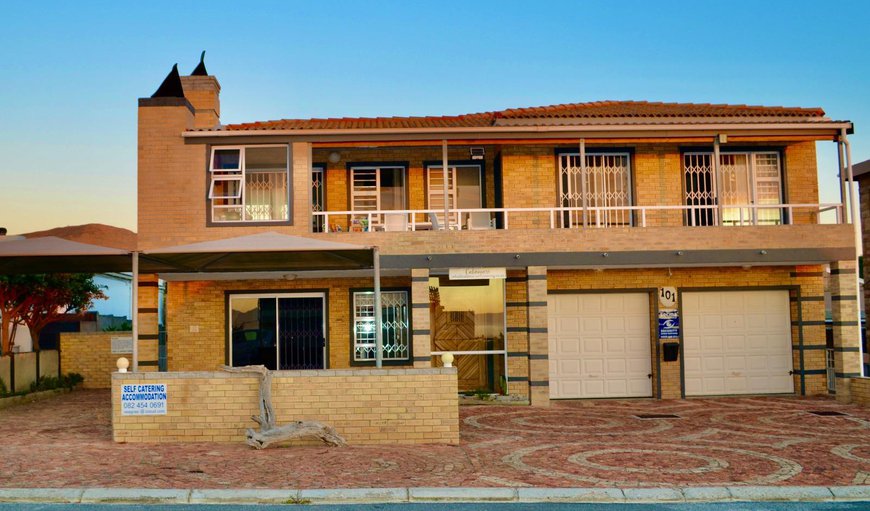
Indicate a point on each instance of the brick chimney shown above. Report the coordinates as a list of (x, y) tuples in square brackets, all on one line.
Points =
[(203, 91), (165, 162)]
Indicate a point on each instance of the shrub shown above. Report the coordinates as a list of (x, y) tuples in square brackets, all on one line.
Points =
[(4, 391), (125, 326), (65, 381)]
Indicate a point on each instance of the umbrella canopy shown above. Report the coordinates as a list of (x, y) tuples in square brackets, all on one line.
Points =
[(51, 254), (268, 251)]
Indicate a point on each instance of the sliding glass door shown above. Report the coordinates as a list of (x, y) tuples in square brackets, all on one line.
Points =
[(279, 331)]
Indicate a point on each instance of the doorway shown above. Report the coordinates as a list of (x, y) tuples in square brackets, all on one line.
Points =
[(279, 331)]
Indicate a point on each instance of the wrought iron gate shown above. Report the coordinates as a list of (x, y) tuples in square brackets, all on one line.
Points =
[(301, 339)]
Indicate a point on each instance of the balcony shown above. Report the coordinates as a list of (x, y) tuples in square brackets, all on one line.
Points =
[(483, 219)]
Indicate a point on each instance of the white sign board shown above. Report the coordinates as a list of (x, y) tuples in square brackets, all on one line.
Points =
[(667, 297), (143, 399), (122, 345), (477, 273)]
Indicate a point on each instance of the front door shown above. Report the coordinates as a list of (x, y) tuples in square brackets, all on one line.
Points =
[(279, 331)]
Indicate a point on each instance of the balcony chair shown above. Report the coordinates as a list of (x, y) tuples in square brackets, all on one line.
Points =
[(479, 221), (395, 222)]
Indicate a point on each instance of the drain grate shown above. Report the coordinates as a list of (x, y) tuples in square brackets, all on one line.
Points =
[(657, 416), (828, 413)]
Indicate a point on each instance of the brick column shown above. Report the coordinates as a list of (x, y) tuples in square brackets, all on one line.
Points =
[(517, 335), (808, 325), (847, 338), (148, 322), (539, 364), (420, 317)]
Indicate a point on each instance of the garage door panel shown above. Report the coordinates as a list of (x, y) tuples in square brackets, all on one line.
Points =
[(750, 351), (613, 336), (592, 346), (567, 326)]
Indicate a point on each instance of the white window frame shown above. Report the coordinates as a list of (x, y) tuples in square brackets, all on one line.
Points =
[(240, 175), (356, 318), (752, 216), (276, 296), (354, 194)]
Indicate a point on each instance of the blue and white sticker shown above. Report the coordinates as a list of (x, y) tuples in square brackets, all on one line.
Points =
[(669, 324)]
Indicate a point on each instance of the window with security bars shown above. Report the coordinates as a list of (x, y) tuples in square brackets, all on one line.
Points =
[(249, 184), (744, 184), (318, 185), (396, 330), (599, 193)]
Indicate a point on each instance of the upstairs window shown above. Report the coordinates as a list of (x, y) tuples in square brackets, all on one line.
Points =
[(746, 182), (377, 188), (600, 191), (249, 184)]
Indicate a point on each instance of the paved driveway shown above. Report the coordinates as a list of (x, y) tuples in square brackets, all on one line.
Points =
[(66, 442)]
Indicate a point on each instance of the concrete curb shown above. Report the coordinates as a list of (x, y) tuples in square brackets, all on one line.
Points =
[(401, 495)]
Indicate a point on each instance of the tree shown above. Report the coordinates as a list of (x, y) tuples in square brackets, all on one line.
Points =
[(54, 296), (40, 299), (13, 291)]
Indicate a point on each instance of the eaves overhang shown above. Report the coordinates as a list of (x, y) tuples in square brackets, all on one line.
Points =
[(821, 129)]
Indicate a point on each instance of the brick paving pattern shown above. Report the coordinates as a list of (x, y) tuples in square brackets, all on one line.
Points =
[(66, 442)]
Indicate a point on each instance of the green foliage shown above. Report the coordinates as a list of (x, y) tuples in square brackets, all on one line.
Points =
[(39, 299), (4, 391), (125, 326), (65, 381)]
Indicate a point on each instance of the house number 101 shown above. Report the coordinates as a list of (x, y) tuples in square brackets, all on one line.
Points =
[(667, 297)]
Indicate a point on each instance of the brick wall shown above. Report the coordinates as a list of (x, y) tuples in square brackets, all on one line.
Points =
[(90, 354), (860, 391), (398, 406), (196, 317)]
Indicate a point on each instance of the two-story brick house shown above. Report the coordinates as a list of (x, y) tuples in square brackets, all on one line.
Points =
[(574, 243)]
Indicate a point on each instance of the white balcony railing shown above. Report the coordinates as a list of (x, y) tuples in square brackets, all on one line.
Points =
[(578, 217)]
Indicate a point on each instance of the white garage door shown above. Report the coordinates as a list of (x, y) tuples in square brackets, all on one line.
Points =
[(737, 343), (599, 345)]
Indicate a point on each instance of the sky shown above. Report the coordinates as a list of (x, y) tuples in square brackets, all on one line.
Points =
[(70, 72)]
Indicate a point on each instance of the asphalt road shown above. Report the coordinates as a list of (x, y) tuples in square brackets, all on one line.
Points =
[(719, 506)]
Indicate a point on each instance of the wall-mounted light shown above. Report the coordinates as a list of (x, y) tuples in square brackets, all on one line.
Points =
[(477, 153), (334, 157)]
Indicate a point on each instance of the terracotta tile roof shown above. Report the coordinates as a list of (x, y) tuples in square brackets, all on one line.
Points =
[(648, 109), (616, 110)]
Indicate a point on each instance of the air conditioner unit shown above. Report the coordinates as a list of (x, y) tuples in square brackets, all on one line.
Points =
[(477, 153)]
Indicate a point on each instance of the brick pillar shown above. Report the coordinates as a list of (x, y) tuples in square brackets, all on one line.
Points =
[(539, 364), (148, 322), (517, 335), (420, 317), (808, 324), (847, 338)]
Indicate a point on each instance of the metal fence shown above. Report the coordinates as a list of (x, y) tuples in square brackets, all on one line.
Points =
[(19, 370)]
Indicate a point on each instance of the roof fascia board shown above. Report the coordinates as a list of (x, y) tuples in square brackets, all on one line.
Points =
[(512, 131), (286, 136)]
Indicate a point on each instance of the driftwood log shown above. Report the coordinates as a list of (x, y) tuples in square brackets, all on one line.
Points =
[(269, 432)]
